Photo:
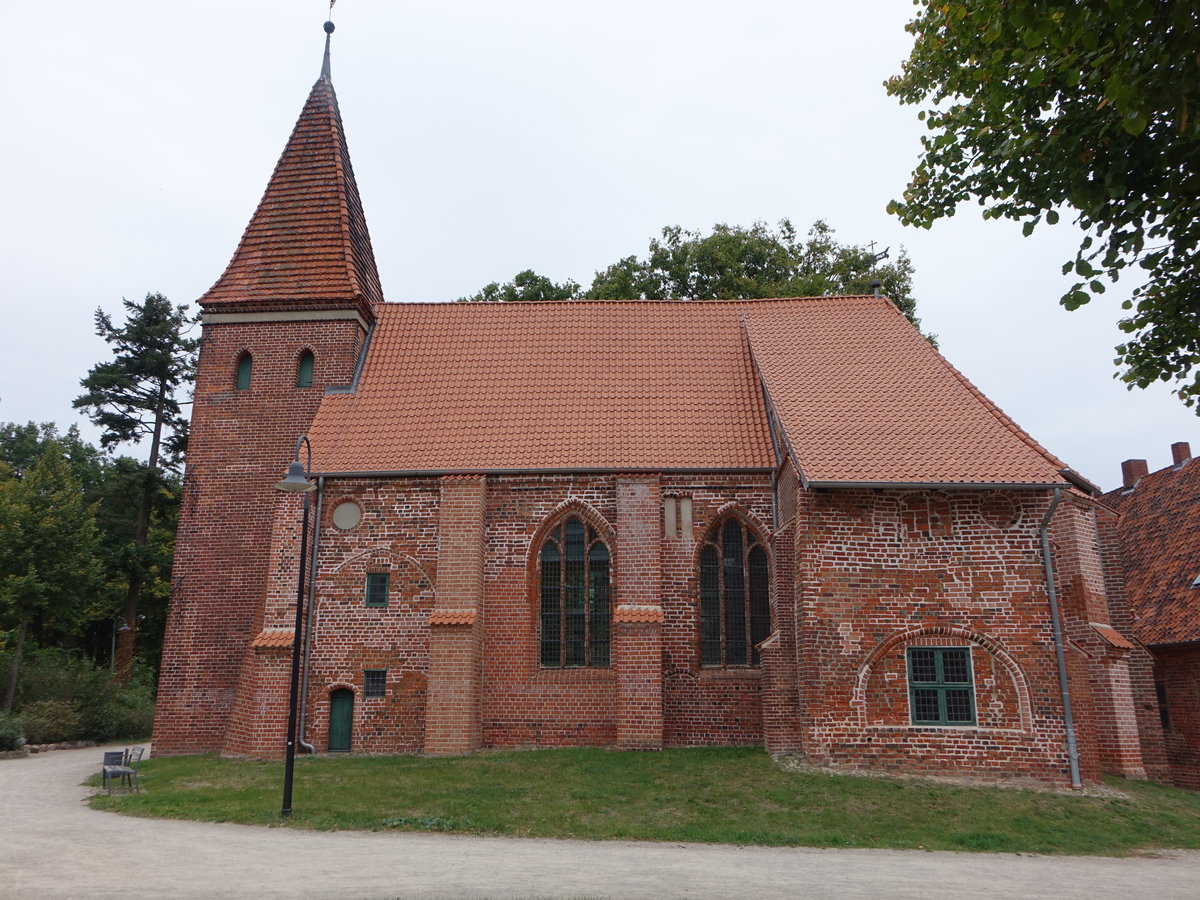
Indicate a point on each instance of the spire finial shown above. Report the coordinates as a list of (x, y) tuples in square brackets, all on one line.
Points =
[(328, 34)]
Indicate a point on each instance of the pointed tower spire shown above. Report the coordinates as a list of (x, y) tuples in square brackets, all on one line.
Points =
[(307, 246), (328, 35)]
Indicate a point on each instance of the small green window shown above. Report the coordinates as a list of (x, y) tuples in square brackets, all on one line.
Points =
[(940, 686), (377, 589), (374, 682), (245, 363), (304, 371)]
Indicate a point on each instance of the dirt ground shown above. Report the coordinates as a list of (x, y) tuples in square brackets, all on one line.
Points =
[(52, 845)]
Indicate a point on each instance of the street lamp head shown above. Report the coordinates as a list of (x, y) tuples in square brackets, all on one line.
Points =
[(296, 481)]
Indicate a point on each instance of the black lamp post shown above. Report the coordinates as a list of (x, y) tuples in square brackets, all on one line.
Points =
[(296, 482)]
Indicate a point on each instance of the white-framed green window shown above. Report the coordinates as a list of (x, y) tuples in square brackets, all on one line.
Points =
[(377, 589), (244, 367), (374, 683), (304, 370), (940, 686)]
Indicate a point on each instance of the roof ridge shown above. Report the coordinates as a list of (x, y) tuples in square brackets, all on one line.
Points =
[(349, 191)]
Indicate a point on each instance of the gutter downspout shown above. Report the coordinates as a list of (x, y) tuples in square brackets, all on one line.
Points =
[(308, 618), (1072, 746)]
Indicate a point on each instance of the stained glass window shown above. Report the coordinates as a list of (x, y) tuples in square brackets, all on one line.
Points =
[(576, 597), (735, 596)]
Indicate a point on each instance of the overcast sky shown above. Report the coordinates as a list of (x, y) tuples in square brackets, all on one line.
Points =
[(491, 137)]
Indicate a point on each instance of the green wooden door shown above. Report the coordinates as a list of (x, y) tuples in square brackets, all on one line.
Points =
[(341, 717)]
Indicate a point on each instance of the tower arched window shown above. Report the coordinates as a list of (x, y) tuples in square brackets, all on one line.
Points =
[(245, 364), (735, 596), (576, 598), (304, 370)]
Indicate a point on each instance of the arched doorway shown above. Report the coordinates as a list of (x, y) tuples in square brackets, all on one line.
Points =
[(341, 720)]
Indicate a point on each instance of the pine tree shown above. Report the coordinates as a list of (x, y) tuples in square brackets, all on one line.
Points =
[(135, 395)]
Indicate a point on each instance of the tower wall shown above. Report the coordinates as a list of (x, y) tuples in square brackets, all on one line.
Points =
[(240, 443)]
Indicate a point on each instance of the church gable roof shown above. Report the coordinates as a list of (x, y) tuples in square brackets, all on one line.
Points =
[(863, 398), (658, 385), (307, 244)]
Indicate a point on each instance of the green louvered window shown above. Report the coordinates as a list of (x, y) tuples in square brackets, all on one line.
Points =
[(245, 364), (735, 597), (304, 371), (940, 686), (576, 597), (377, 589)]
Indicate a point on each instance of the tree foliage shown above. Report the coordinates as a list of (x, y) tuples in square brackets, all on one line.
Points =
[(732, 262), (1046, 104), (112, 487), (48, 552), (135, 395), (525, 286)]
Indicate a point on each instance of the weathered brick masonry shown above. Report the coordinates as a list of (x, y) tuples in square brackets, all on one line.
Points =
[(629, 524), (238, 447)]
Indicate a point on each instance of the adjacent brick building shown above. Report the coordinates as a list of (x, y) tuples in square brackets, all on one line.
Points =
[(1156, 540), (636, 524)]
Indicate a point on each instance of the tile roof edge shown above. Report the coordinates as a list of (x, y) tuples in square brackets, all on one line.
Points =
[(941, 485), (1003, 418), (633, 301), (582, 470)]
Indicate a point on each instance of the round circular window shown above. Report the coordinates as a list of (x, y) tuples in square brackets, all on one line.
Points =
[(347, 514)]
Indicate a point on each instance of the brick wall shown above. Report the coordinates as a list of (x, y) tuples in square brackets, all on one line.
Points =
[(1139, 661), (398, 534), (881, 571), (1178, 668), (453, 722), (858, 577), (239, 446)]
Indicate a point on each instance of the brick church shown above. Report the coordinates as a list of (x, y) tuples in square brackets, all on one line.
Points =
[(642, 524)]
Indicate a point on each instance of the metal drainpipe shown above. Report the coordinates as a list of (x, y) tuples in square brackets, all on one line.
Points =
[(1072, 746), (312, 623)]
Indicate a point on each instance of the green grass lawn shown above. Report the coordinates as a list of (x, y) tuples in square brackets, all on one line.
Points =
[(735, 796)]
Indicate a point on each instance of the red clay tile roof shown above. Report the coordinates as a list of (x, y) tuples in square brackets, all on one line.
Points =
[(580, 385), (1159, 534), (452, 617), (273, 637), (636, 614), (1112, 636), (863, 398), (654, 385), (307, 245)]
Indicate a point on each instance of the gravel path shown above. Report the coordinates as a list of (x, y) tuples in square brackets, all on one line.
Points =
[(52, 845)]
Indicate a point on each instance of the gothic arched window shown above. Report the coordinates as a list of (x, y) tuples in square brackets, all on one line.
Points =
[(735, 596), (576, 600)]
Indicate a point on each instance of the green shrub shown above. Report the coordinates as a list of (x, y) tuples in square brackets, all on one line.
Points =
[(103, 710), (50, 721), (12, 734)]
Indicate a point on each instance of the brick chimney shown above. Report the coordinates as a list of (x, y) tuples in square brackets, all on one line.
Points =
[(1181, 452), (1132, 470)]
